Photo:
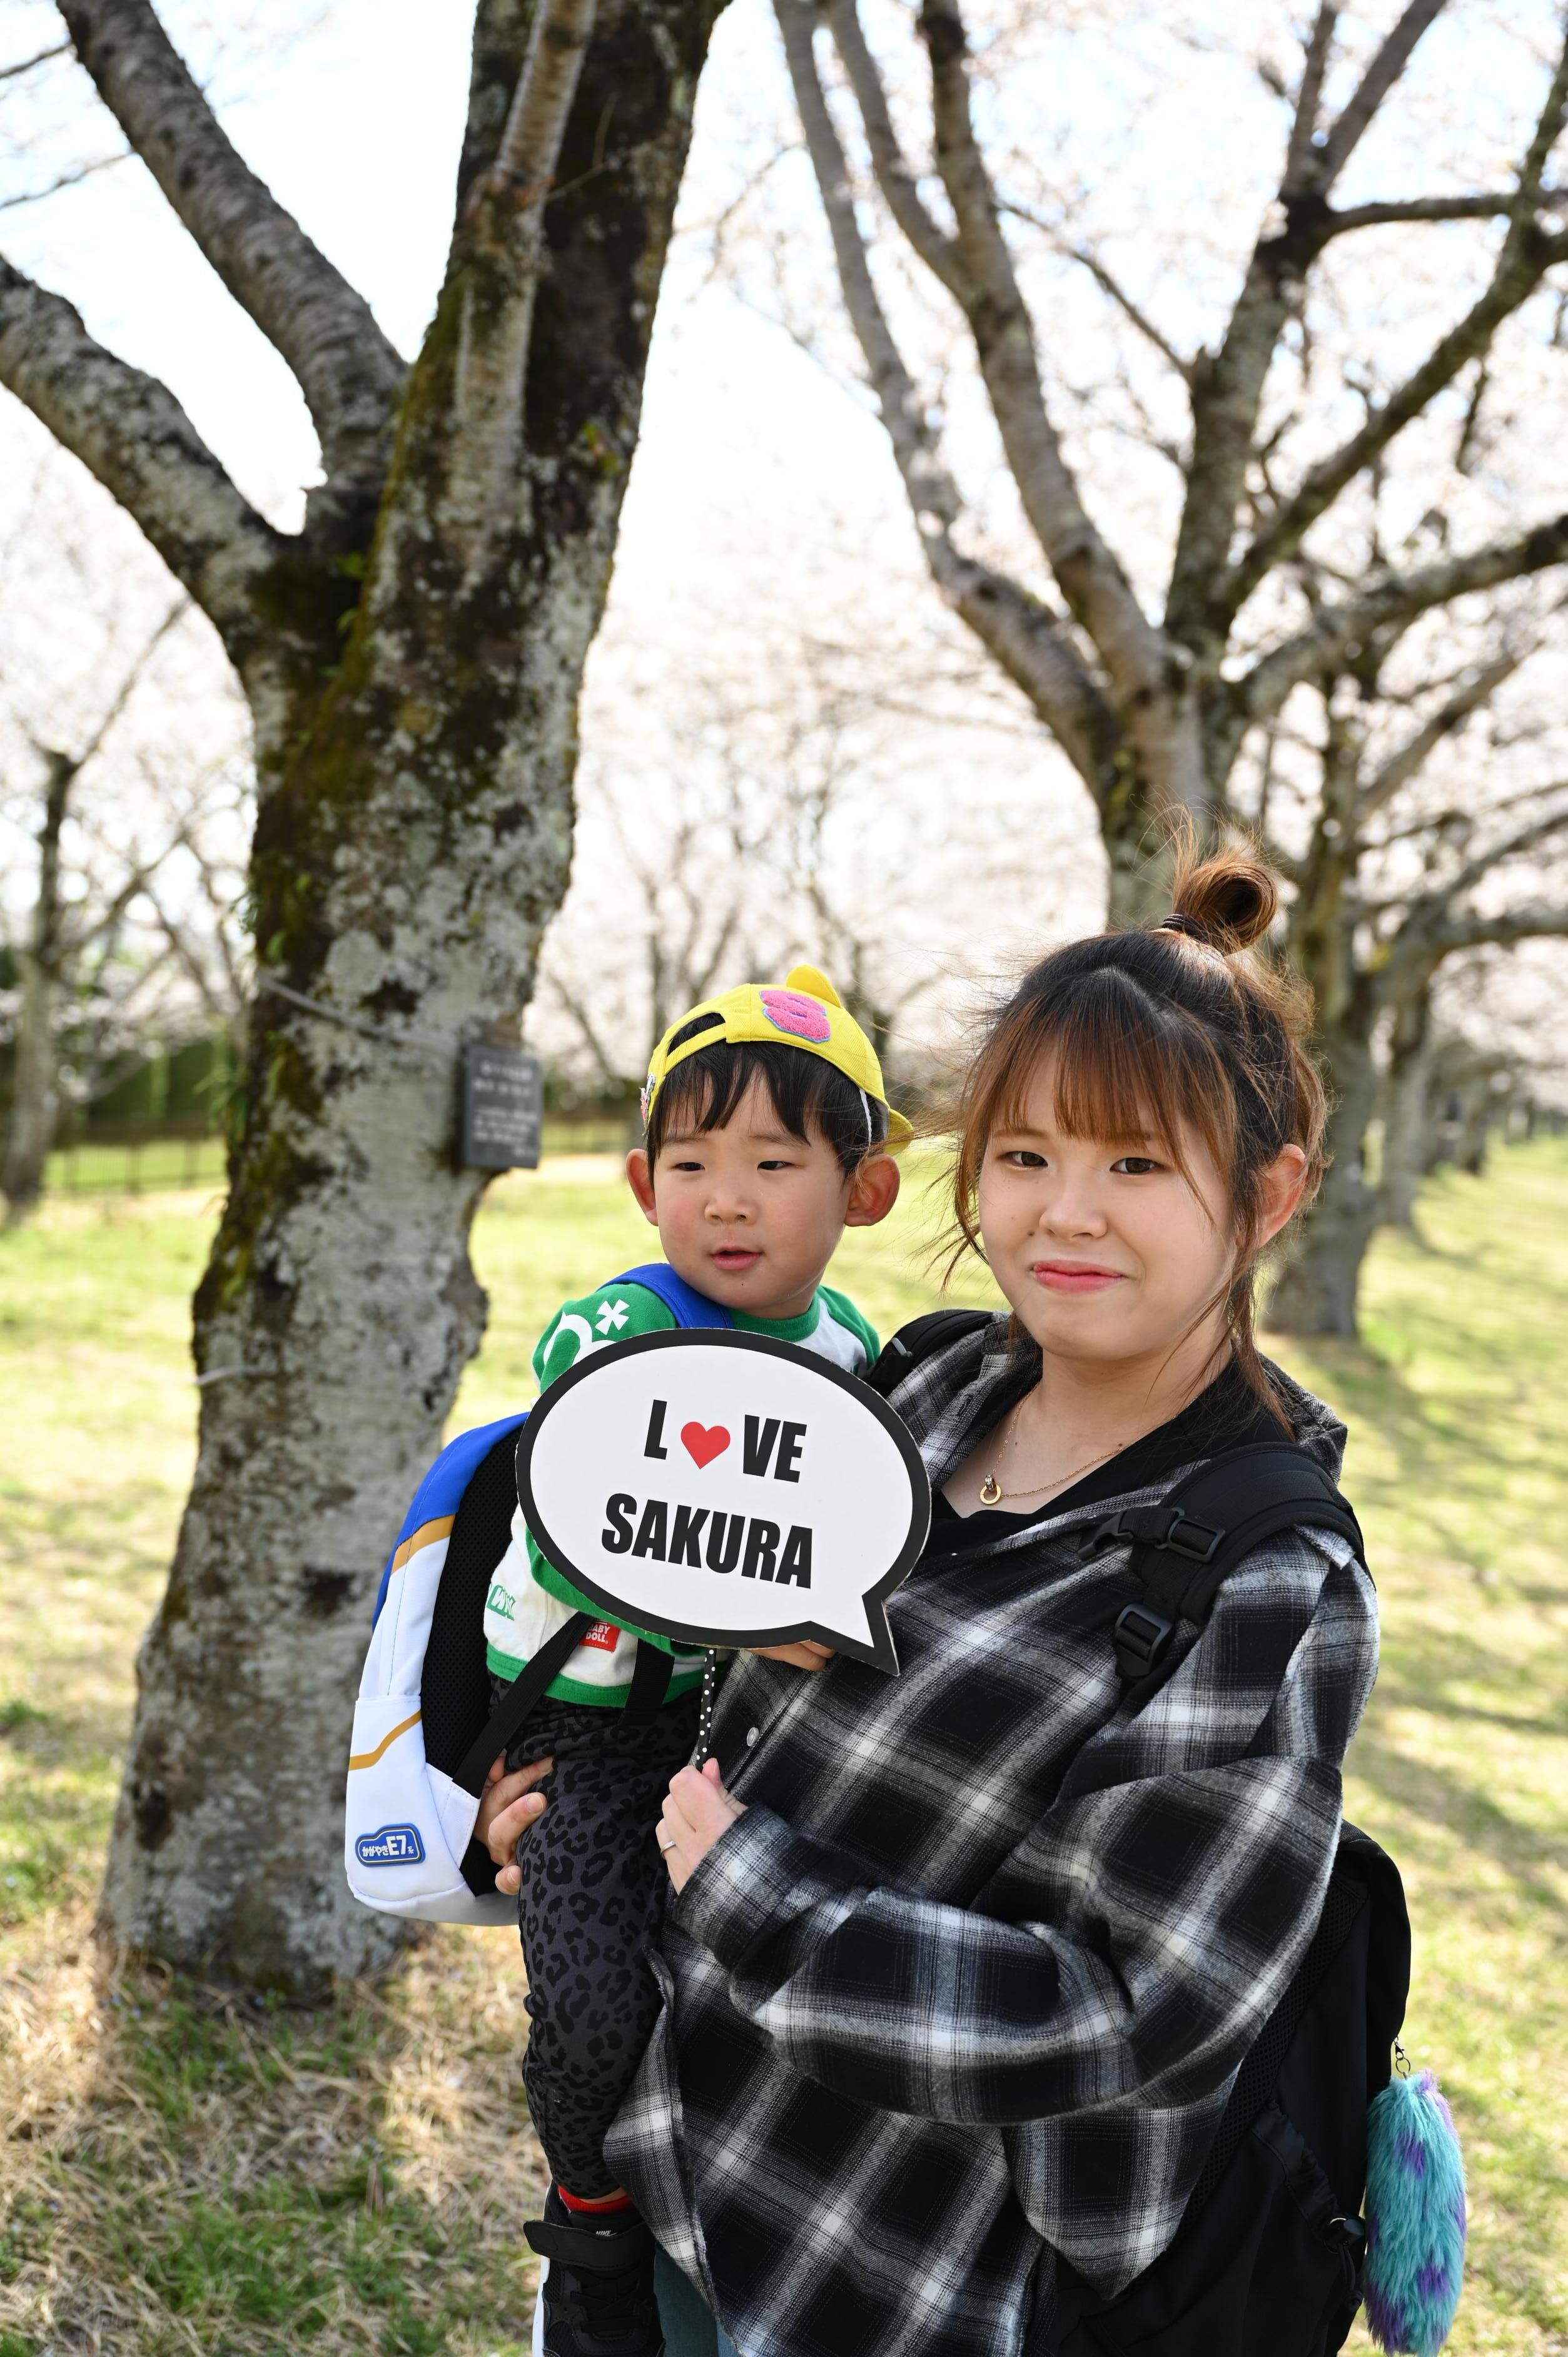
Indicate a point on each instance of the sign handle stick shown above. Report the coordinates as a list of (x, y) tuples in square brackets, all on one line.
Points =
[(706, 1708)]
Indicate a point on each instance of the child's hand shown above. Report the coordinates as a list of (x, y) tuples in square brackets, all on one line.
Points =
[(697, 1810), (508, 1806), (807, 1655)]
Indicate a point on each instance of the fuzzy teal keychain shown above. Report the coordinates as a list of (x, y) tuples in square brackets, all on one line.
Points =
[(1415, 2214)]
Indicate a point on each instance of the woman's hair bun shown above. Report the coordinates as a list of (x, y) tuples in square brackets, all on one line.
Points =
[(1230, 899)]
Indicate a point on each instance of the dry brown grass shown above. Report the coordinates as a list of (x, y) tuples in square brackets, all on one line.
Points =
[(186, 2171)]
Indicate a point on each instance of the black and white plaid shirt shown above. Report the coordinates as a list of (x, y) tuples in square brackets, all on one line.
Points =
[(968, 1984)]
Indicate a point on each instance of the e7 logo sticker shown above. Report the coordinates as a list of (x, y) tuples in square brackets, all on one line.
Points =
[(390, 1845)]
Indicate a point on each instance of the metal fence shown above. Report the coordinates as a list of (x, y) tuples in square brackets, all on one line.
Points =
[(132, 1158), (135, 1157)]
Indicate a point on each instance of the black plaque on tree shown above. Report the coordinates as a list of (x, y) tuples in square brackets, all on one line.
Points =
[(503, 1108)]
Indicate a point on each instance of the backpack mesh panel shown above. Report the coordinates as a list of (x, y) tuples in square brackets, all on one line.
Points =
[(454, 1691)]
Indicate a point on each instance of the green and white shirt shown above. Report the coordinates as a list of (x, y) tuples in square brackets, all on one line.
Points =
[(529, 1600)]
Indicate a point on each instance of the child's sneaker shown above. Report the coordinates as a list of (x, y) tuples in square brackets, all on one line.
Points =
[(596, 2289)]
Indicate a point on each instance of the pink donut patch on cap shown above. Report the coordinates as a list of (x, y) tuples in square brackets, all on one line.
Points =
[(792, 1011)]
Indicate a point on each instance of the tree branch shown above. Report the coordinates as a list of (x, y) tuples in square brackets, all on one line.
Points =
[(936, 248), (501, 241), (40, 57), (1374, 87), (349, 373), (131, 682), (1457, 821), (1019, 631), (1227, 397), (1300, 150), (572, 1005), (1514, 282), (1228, 387), (66, 180), (1413, 754), (1108, 285), (1486, 205), (530, 146), (1532, 923), (1098, 592), (135, 884), (1498, 854), (221, 906), (185, 956), (129, 431), (1525, 257), (1398, 599), (931, 490)]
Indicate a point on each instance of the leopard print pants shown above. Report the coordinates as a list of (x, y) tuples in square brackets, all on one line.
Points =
[(591, 1872)]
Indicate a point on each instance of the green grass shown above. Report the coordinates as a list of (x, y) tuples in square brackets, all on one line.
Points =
[(187, 2172), (99, 1166)]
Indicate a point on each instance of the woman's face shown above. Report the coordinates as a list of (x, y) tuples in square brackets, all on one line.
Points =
[(1104, 1250)]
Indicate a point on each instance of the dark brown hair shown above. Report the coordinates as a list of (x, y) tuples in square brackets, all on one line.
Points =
[(806, 1091), (1173, 1025)]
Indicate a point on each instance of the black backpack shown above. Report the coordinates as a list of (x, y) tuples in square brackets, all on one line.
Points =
[(1268, 2257)]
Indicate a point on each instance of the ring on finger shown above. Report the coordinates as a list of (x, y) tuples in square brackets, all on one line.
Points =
[(663, 1844)]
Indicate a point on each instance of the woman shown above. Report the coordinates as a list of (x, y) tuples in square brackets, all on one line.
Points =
[(960, 1965)]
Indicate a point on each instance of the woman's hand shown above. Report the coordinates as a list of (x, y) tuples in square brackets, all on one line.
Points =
[(697, 1810), (508, 1806), (807, 1655)]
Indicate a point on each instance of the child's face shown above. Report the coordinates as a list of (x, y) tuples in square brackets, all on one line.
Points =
[(1103, 1248), (751, 1215)]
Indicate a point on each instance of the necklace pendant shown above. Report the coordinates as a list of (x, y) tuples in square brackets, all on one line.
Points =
[(990, 1490)]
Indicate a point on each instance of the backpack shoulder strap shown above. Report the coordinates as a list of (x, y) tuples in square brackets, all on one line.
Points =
[(920, 1339), (685, 1304), (1184, 1547), (441, 1493), (519, 1699)]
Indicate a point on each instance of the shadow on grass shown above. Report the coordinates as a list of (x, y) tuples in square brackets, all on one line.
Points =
[(1418, 1790), (1456, 1492), (1443, 1670)]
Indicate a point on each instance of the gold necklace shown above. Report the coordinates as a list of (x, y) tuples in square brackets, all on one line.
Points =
[(991, 1494)]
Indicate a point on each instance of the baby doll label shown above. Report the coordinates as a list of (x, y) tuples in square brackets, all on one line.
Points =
[(723, 1489)]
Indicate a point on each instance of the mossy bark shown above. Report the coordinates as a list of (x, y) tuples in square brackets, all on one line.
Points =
[(415, 715)]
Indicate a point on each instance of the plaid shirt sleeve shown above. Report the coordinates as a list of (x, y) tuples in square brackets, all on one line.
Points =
[(1135, 1939)]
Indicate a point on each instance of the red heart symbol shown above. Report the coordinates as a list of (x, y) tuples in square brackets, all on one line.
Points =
[(703, 1442)]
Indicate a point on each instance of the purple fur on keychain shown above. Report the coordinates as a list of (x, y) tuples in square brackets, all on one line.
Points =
[(1415, 2217)]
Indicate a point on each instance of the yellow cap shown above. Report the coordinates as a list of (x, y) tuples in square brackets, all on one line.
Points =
[(802, 1011)]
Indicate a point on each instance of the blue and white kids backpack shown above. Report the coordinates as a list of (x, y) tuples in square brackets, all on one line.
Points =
[(424, 1733)]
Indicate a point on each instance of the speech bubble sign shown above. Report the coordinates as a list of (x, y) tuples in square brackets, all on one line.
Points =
[(725, 1488)]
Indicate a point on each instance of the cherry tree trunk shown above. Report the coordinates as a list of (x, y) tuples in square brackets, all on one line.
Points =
[(1319, 1288), (35, 1070), (35, 1102), (417, 742), (1407, 1114)]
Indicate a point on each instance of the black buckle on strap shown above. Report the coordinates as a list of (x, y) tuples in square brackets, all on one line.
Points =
[(1141, 1637), (1103, 1534), (1196, 1540), (1168, 1529)]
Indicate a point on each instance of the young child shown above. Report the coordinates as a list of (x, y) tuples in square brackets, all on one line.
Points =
[(767, 1133)]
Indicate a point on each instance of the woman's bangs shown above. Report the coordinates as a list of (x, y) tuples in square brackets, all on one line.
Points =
[(1122, 1076)]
